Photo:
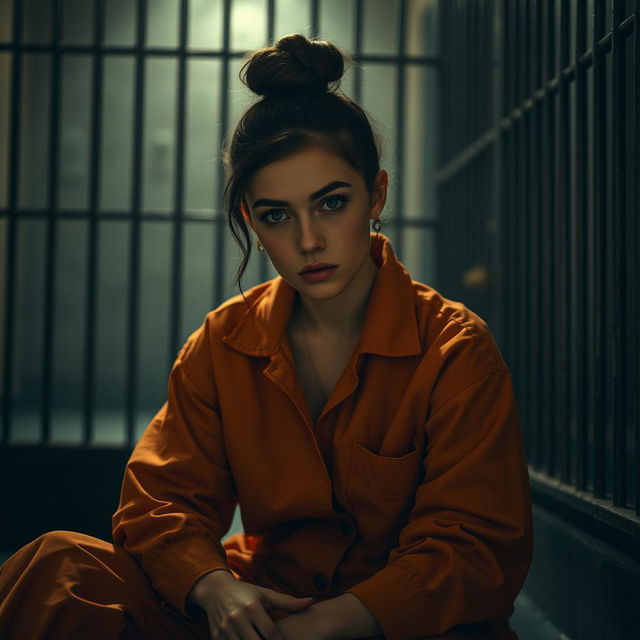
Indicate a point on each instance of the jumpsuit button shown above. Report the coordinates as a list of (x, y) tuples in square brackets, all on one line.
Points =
[(346, 528), (320, 582)]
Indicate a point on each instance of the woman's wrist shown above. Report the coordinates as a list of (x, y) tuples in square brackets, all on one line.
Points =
[(203, 585)]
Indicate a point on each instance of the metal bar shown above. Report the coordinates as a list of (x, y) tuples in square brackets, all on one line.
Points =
[(509, 232), (441, 192), (550, 40), (12, 226), (131, 385), (579, 255), (524, 209), (359, 58), (537, 440), (519, 215), (548, 215), (563, 298), (635, 227), (48, 316), (400, 128), (524, 44), (521, 210), (600, 207), (88, 395), (510, 44), (220, 238), (315, 18), (497, 169), (70, 214), (178, 205), (457, 114), (271, 27), (613, 524), (617, 260), (536, 288), (536, 58), (152, 52)]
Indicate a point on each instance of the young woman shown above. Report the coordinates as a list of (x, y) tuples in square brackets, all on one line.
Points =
[(365, 424)]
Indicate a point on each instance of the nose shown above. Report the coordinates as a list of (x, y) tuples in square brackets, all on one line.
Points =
[(310, 239)]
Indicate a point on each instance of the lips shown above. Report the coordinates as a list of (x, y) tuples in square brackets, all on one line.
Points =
[(316, 267)]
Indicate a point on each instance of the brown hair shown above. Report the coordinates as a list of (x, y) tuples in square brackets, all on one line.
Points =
[(298, 80)]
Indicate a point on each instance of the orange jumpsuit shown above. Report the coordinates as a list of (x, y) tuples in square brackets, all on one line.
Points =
[(411, 490)]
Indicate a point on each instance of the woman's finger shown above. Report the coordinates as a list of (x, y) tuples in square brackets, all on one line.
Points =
[(266, 626), (224, 632)]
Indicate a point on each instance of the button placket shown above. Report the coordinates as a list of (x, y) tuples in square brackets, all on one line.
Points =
[(347, 528), (320, 581)]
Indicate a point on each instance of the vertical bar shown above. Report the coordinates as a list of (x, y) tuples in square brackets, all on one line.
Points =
[(537, 230), (507, 38), (220, 239), (12, 223), (92, 275), (549, 215), (523, 214), (48, 322), (357, 72), (600, 208), (441, 199), (636, 228), (580, 254), (178, 205), (536, 56), (618, 257), (523, 51), (271, 22), (550, 40), (497, 88), (315, 18), (522, 272), (564, 299), (134, 259), (400, 129), (535, 239), (526, 213), (508, 226)]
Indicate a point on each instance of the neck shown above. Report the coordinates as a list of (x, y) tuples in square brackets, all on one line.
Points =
[(344, 313)]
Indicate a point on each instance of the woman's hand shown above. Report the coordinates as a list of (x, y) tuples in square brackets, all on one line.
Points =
[(237, 610), (305, 625)]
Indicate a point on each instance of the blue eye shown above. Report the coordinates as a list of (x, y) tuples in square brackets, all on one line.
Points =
[(277, 215), (339, 200)]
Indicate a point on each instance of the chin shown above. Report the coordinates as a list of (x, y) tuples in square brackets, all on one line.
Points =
[(329, 291)]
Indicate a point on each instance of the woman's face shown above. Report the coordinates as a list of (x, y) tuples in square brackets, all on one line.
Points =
[(313, 207)]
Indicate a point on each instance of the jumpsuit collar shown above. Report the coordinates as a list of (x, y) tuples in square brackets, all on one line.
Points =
[(390, 327)]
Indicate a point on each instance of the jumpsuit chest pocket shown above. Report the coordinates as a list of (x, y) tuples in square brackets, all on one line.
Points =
[(387, 478), (382, 492)]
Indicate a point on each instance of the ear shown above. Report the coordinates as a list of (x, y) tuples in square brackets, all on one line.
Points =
[(246, 216), (378, 194)]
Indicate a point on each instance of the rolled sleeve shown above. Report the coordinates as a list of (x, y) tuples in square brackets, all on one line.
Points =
[(178, 495), (465, 551)]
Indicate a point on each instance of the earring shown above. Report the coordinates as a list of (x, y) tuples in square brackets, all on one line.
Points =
[(259, 246), (377, 225)]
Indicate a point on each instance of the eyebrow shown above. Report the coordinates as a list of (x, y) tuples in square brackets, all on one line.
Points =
[(263, 202)]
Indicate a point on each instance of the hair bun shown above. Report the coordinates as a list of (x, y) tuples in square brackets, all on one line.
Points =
[(294, 64)]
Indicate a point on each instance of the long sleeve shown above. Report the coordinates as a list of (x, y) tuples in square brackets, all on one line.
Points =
[(465, 551), (178, 495)]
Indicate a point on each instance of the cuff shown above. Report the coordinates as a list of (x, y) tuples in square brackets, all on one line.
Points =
[(178, 564), (397, 601)]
